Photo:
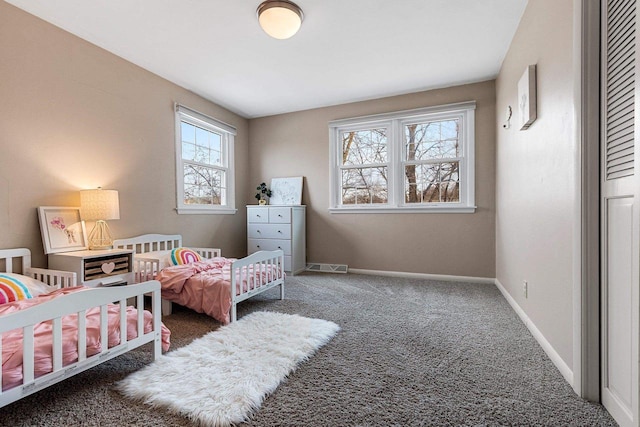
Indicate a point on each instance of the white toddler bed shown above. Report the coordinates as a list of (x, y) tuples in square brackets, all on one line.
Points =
[(21, 326), (248, 276)]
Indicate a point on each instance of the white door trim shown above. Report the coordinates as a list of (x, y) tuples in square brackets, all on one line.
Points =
[(586, 268)]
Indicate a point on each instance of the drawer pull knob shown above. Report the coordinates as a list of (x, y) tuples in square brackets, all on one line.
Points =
[(257, 231), (280, 215), (279, 231), (258, 216), (279, 247), (257, 246)]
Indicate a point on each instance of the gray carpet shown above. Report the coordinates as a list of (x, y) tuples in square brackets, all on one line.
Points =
[(410, 353)]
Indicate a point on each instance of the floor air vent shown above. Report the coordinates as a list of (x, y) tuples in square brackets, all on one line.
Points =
[(327, 268)]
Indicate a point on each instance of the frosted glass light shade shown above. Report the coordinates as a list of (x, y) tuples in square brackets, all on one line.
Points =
[(280, 19), (99, 204)]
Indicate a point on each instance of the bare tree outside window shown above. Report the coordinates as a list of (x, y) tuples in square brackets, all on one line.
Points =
[(432, 162), (201, 153), (419, 160), (364, 167), (205, 172)]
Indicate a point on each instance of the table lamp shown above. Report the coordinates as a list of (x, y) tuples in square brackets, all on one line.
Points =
[(100, 206)]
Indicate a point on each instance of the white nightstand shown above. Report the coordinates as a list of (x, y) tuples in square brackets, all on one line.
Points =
[(109, 267)]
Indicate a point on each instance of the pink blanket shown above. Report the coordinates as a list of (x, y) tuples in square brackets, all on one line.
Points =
[(205, 286), (12, 340)]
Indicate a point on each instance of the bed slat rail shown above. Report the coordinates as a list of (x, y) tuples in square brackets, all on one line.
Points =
[(82, 337), (155, 308), (140, 317), (57, 343), (77, 304), (56, 278), (208, 252), (145, 268), (28, 348), (149, 243), (254, 274)]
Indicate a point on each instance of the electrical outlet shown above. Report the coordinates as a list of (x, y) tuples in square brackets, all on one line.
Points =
[(525, 288)]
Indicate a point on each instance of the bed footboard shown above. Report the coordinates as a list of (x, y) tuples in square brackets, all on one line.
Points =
[(78, 303), (145, 268), (255, 274)]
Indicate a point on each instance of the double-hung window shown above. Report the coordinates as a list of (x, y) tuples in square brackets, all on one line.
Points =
[(364, 165), (204, 163), (407, 161)]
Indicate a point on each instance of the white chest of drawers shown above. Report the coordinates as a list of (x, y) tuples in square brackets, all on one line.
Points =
[(278, 227)]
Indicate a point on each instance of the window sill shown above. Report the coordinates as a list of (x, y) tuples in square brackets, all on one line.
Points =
[(205, 211), (387, 209)]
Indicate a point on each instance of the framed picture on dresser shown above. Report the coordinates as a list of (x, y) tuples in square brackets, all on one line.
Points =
[(286, 191)]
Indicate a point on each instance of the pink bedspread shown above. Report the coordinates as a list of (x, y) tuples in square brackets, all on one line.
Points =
[(12, 340), (205, 286)]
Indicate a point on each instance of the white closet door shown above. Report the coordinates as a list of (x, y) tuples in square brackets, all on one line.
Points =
[(619, 212)]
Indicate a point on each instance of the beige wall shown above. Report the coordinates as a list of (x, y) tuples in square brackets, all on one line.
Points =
[(297, 144), (535, 175), (74, 116)]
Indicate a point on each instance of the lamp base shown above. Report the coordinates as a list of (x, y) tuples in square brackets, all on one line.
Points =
[(100, 237)]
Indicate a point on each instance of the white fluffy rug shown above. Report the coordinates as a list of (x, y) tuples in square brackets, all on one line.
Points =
[(223, 377)]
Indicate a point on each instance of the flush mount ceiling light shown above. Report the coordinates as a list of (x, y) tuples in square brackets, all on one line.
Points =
[(280, 19)]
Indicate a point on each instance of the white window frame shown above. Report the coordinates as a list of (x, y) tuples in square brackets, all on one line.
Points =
[(227, 132), (394, 122)]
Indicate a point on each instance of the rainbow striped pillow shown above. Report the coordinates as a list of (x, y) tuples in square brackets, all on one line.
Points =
[(181, 256), (12, 289)]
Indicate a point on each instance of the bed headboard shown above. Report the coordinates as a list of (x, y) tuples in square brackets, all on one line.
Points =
[(149, 243), (19, 261), (10, 257)]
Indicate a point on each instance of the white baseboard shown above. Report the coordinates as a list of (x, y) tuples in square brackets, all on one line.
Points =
[(546, 346), (443, 277)]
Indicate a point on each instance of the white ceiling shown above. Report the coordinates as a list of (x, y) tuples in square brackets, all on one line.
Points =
[(346, 50)]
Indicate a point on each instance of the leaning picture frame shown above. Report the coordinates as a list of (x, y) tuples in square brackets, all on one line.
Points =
[(62, 229), (286, 191)]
